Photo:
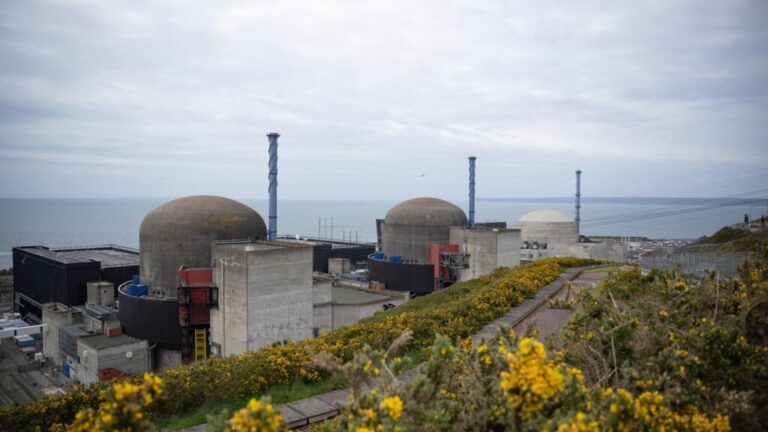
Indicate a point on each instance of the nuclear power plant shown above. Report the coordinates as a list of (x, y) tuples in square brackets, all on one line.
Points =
[(210, 278)]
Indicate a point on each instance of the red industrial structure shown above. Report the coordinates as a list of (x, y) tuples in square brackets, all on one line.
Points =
[(447, 260), (196, 295)]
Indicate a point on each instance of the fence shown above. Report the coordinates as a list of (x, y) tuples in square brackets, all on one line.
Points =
[(697, 263)]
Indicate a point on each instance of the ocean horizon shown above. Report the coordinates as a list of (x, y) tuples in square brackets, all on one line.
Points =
[(63, 222)]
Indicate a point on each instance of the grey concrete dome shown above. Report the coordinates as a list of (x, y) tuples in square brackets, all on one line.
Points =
[(180, 232), (411, 226), (426, 212)]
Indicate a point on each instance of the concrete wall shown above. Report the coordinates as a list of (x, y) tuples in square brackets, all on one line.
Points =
[(488, 249), (343, 314), (166, 359), (228, 328), (549, 232), (279, 296), (508, 248), (152, 319), (55, 316), (348, 314), (94, 359), (321, 310), (322, 319), (608, 250), (339, 265), (101, 293), (265, 296)]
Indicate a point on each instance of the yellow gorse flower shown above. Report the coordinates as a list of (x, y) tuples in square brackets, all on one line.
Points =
[(393, 407), (530, 380)]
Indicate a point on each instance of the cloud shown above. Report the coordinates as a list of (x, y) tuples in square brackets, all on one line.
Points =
[(383, 90)]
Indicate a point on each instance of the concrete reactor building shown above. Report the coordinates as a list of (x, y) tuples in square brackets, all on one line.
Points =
[(428, 243), (180, 234), (265, 295), (411, 226), (548, 227)]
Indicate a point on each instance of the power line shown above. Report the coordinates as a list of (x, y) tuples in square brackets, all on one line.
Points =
[(637, 216)]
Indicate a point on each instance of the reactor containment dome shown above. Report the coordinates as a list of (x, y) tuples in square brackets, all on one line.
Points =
[(181, 233), (548, 227), (411, 226)]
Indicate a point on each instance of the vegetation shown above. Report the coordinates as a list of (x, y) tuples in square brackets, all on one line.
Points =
[(726, 234), (508, 384), (647, 352), (456, 312), (694, 343), (735, 239)]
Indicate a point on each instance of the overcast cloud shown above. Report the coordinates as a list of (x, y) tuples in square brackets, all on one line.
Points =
[(383, 99)]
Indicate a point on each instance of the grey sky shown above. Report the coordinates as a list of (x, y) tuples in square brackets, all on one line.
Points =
[(652, 98)]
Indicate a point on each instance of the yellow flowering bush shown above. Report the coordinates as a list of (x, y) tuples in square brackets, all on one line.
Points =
[(509, 384), (690, 342), (124, 407), (530, 380), (393, 406), (456, 312), (257, 416)]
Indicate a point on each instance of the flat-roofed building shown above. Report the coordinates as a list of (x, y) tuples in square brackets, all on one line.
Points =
[(103, 357), (42, 275)]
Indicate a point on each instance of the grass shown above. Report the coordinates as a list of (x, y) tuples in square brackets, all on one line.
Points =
[(729, 239), (293, 391), (433, 300)]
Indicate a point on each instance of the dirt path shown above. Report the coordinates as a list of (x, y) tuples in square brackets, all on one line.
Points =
[(548, 320)]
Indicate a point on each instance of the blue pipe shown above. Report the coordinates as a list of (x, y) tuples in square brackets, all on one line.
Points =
[(272, 185), (472, 191)]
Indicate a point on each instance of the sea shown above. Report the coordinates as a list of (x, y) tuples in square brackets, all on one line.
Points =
[(89, 222)]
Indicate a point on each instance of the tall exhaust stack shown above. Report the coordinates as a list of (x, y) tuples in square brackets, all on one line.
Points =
[(273, 185), (472, 191), (578, 201)]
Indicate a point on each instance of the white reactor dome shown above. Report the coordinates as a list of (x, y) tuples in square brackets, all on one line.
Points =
[(548, 226)]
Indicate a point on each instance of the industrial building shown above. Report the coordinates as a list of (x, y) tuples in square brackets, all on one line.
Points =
[(180, 232), (265, 295), (56, 317), (102, 357), (427, 244), (337, 303), (487, 248), (213, 280), (211, 285), (87, 343), (411, 226), (407, 232), (173, 236), (547, 227), (325, 251), (42, 275)]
